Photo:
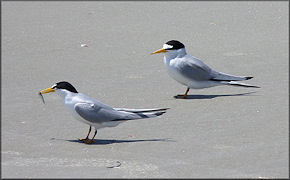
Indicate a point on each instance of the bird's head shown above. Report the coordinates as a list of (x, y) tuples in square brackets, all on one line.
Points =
[(172, 47), (60, 86)]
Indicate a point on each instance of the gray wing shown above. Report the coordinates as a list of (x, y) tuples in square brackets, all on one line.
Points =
[(140, 110), (97, 114), (197, 70), (219, 76), (194, 69)]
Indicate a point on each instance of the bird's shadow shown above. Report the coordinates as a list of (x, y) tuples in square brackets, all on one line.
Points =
[(114, 141), (213, 96)]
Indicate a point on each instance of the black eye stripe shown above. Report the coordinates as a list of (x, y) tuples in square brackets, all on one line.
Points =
[(64, 85), (175, 45)]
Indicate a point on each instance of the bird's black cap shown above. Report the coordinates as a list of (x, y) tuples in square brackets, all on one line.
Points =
[(64, 85), (175, 45)]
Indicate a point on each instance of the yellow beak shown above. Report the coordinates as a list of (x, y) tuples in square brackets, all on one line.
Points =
[(159, 51), (48, 90)]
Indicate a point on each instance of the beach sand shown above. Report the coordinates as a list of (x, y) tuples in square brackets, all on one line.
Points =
[(219, 132)]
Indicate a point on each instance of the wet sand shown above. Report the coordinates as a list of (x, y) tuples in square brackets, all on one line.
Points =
[(220, 132)]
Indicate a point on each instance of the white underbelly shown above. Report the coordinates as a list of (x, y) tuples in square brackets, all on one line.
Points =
[(175, 74), (106, 124)]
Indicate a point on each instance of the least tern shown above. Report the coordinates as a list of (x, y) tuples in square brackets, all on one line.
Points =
[(95, 113), (192, 72)]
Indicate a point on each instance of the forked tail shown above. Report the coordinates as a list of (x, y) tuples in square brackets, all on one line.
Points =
[(234, 83)]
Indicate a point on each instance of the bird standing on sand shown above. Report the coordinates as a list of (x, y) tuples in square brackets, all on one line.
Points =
[(95, 113), (192, 72)]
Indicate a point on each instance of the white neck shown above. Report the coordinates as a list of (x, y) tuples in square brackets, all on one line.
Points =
[(64, 94)]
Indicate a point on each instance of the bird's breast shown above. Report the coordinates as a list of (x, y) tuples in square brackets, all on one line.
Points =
[(70, 105), (173, 69)]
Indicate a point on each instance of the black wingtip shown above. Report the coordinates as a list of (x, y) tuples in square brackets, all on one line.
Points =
[(252, 86), (160, 113), (248, 78)]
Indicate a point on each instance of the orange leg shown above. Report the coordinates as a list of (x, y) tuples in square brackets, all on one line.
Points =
[(179, 96), (87, 135), (87, 141)]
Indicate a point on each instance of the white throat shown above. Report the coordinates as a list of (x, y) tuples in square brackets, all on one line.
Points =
[(64, 94)]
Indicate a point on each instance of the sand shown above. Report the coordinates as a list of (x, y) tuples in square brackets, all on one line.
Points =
[(220, 132)]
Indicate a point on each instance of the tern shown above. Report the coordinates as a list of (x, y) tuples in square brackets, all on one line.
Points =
[(192, 72), (95, 113)]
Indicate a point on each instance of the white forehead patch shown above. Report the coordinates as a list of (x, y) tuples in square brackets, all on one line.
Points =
[(53, 86), (166, 46)]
